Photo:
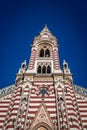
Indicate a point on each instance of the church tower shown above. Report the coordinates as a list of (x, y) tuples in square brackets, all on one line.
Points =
[(44, 96)]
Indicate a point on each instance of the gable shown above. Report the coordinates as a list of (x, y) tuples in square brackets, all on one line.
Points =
[(42, 118)]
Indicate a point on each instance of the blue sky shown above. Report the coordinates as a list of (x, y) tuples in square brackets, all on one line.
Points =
[(22, 20)]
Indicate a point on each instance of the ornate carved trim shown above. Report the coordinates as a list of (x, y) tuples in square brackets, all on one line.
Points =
[(42, 124), (42, 119)]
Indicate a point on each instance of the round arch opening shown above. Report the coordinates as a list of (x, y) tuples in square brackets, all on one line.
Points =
[(42, 126)]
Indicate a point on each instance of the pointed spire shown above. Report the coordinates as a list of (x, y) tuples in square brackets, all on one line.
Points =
[(45, 29), (45, 34)]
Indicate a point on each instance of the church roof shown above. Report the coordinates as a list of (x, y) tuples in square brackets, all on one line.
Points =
[(7, 90)]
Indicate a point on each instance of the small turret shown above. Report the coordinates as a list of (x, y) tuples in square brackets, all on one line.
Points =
[(23, 68), (21, 72), (66, 69), (67, 73)]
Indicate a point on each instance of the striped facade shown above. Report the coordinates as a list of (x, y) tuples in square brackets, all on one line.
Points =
[(44, 96)]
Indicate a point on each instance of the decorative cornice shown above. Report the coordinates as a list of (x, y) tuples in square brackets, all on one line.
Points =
[(7, 90), (80, 90)]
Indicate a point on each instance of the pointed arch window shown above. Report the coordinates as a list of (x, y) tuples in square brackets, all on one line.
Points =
[(44, 69), (42, 128), (65, 66), (48, 69), (41, 53), (47, 53), (39, 69)]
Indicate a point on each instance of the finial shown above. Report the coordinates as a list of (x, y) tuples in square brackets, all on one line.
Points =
[(65, 64), (23, 65), (46, 26), (64, 61), (45, 29)]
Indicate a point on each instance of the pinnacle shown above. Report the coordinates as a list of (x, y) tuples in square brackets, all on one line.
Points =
[(45, 29)]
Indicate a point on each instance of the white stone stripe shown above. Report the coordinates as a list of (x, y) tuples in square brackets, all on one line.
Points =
[(26, 93), (49, 99), (84, 118), (84, 123), (71, 111), (79, 100), (50, 104), (52, 115), (18, 97), (36, 99), (52, 94), (33, 109), (75, 123), (37, 104), (13, 117), (4, 113), (82, 104), (17, 101), (59, 92), (34, 104), (70, 106), (41, 83), (83, 113), (4, 108), (16, 106), (33, 95), (14, 111), (1, 124), (74, 117), (68, 96), (82, 108), (51, 87), (73, 128), (10, 129), (26, 88), (5, 104), (6, 100), (69, 101), (31, 115), (2, 118), (51, 109)]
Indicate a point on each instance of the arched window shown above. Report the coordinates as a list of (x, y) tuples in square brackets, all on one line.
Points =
[(47, 53), (48, 69), (65, 66), (42, 128), (41, 53), (44, 69), (39, 69)]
